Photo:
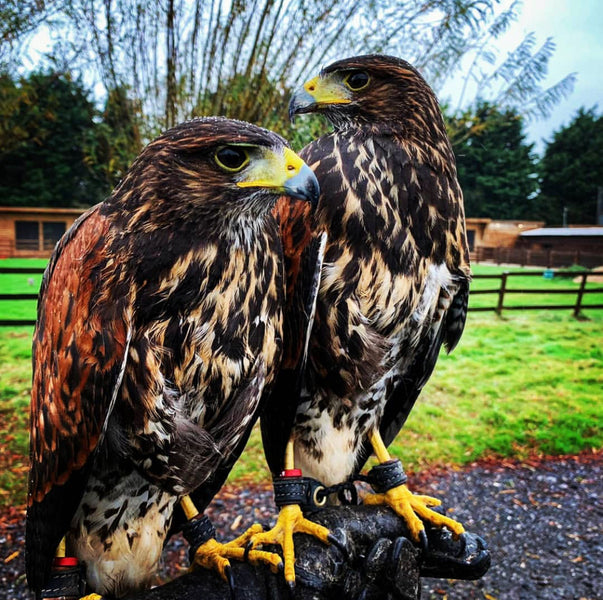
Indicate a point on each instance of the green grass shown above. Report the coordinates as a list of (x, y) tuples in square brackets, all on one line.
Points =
[(15, 365), (528, 382)]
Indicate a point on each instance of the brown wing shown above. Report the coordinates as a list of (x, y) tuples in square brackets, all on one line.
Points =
[(79, 349), (303, 250)]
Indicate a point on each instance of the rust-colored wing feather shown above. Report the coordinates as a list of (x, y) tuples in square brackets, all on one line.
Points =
[(79, 349), (303, 250)]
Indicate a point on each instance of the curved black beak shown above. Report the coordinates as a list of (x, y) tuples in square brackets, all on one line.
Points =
[(301, 102), (304, 185)]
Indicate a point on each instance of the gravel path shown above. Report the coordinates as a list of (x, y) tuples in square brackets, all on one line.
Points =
[(542, 520)]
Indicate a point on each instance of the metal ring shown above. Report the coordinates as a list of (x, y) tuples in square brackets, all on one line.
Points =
[(318, 489)]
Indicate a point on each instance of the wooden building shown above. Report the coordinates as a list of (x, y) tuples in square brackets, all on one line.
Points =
[(486, 236), (552, 247), (475, 231), (566, 239), (33, 232), (505, 234)]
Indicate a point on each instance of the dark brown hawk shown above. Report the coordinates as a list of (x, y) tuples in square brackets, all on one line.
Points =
[(159, 329), (394, 283)]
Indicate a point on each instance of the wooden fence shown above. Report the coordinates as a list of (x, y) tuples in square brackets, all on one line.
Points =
[(502, 292), (19, 271)]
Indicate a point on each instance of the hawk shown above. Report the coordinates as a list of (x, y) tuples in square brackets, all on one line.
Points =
[(159, 331), (393, 286)]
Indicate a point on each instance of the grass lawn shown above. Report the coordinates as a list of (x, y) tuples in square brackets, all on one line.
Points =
[(15, 366), (528, 382), (20, 284)]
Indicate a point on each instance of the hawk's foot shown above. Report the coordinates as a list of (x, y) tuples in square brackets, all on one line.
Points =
[(414, 509), (216, 556), (290, 520)]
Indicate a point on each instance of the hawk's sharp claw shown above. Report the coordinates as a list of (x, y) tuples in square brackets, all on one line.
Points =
[(248, 549), (339, 545), (397, 549), (423, 542), (463, 541), (230, 580), (414, 509)]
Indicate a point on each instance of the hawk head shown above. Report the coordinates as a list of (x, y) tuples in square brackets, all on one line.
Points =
[(211, 166), (375, 90)]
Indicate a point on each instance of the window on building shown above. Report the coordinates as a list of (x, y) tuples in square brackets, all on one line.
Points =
[(52, 233), (471, 239), (27, 235)]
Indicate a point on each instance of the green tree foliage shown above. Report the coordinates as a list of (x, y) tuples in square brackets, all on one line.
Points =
[(571, 170), (496, 168), (18, 19), (55, 150), (46, 122)]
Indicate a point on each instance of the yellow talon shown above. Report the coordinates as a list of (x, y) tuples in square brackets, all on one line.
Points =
[(411, 507), (244, 538), (290, 520), (215, 556), (212, 555), (405, 503), (91, 597)]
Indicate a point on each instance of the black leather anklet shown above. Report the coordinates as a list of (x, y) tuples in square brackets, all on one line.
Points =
[(295, 489), (388, 475), (66, 580), (196, 532)]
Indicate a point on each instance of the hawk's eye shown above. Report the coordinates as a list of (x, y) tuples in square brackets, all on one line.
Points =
[(231, 158), (357, 80)]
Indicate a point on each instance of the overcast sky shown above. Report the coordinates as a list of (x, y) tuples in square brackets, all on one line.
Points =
[(577, 29)]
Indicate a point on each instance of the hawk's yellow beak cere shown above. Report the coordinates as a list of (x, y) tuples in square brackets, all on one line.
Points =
[(317, 92), (282, 172)]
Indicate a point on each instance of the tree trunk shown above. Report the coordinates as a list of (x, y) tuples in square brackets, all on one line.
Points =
[(381, 563)]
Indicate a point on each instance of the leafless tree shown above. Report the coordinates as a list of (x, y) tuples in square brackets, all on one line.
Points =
[(182, 58)]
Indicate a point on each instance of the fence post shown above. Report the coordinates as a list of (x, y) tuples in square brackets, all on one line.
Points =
[(580, 294), (501, 293)]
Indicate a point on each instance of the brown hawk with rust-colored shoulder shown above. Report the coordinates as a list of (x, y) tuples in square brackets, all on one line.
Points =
[(395, 278), (159, 329)]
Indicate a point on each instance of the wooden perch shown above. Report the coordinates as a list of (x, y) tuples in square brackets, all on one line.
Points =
[(381, 563)]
